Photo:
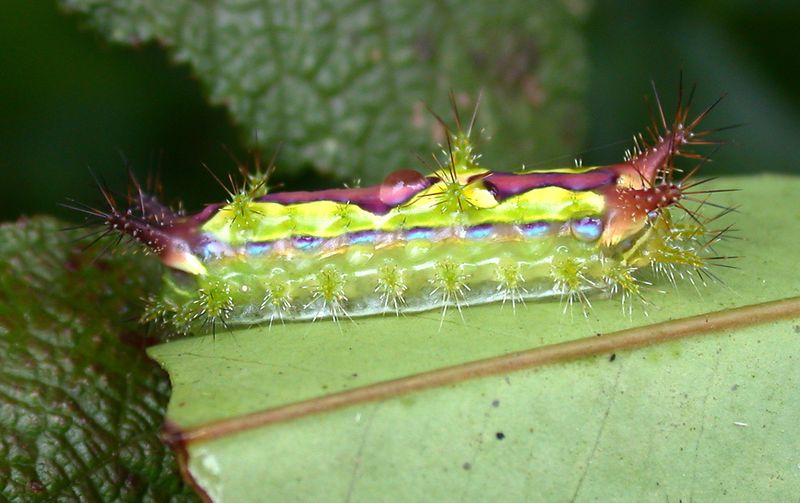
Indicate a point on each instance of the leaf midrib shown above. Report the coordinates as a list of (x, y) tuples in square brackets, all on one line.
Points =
[(632, 338)]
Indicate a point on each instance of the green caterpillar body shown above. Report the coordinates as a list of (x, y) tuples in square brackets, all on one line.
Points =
[(460, 235)]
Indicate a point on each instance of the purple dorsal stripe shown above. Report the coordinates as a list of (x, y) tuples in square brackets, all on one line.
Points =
[(366, 198), (505, 185), (204, 216)]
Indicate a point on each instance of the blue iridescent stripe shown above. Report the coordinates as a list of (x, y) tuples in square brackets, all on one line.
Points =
[(363, 237), (587, 229), (258, 247), (535, 229), (419, 233), (306, 242), (481, 231)]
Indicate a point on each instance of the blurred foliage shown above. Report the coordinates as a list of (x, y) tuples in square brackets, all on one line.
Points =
[(741, 48), (80, 403), (73, 101), (342, 85)]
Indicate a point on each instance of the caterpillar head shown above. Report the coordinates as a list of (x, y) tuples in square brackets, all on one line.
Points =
[(645, 185)]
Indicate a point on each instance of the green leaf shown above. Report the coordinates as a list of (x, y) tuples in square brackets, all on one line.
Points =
[(397, 409), (80, 403), (342, 85)]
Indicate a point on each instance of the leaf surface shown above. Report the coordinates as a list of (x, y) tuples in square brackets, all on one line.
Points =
[(343, 85), (398, 408), (80, 403)]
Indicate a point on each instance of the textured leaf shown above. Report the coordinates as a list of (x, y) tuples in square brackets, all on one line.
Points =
[(80, 403), (342, 85), (392, 409)]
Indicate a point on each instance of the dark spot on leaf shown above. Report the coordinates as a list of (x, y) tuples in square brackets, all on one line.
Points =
[(35, 486), (71, 264), (569, 128), (495, 403), (500, 435), (466, 466), (425, 46), (132, 481), (612, 357)]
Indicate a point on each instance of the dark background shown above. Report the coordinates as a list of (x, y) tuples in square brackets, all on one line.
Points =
[(71, 100)]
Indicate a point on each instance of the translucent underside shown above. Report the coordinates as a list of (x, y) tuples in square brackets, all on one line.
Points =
[(414, 276)]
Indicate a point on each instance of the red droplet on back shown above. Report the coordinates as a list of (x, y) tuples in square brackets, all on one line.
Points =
[(400, 185)]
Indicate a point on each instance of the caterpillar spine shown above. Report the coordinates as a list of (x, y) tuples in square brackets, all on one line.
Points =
[(460, 235)]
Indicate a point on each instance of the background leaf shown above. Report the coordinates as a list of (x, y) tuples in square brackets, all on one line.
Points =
[(80, 403), (342, 86), (77, 100), (700, 419)]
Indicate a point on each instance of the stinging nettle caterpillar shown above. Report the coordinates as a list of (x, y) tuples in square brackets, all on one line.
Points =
[(459, 235)]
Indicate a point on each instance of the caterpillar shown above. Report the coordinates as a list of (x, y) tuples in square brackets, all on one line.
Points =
[(461, 234)]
